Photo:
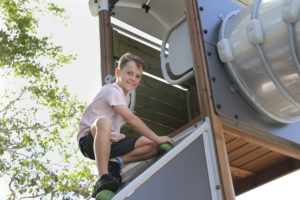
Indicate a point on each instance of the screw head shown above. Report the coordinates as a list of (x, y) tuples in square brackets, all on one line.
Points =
[(221, 17), (233, 87)]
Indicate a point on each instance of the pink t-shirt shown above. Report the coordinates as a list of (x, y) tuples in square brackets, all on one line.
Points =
[(110, 95)]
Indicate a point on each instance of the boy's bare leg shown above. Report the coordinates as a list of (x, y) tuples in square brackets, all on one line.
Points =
[(101, 132), (144, 149)]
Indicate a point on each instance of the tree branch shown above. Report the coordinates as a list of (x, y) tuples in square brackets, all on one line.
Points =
[(28, 128), (10, 186), (42, 163), (33, 196), (15, 100), (78, 191)]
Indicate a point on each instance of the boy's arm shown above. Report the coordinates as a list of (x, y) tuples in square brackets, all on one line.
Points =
[(137, 124)]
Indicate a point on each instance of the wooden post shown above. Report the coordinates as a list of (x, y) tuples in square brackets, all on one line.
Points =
[(205, 97), (106, 47)]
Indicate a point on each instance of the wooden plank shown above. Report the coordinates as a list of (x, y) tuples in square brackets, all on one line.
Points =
[(164, 108), (229, 138), (150, 56), (264, 161), (169, 95), (205, 96), (234, 145), (241, 173), (178, 100), (269, 174), (164, 102), (172, 123), (128, 131), (162, 87), (249, 157), (240, 152), (106, 45), (290, 151), (116, 48), (133, 44), (159, 129)]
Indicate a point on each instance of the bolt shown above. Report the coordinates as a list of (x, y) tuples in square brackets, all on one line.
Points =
[(221, 17), (218, 187), (233, 87)]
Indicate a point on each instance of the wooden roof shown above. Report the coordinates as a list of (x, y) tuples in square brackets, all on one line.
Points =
[(253, 164)]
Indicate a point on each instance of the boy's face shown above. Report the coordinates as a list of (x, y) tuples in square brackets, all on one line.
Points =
[(129, 77)]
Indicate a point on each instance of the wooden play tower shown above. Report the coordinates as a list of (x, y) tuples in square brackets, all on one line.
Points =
[(253, 142)]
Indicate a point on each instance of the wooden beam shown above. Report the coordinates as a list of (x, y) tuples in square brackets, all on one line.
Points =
[(265, 176), (241, 173), (271, 145), (205, 96), (106, 47)]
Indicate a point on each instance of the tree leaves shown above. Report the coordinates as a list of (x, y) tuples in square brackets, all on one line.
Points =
[(39, 118)]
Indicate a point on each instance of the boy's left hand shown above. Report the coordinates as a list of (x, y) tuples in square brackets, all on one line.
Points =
[(164, 139)]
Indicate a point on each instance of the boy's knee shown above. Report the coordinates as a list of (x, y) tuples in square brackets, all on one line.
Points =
[(153, 146), (147, 142), (104, 124)]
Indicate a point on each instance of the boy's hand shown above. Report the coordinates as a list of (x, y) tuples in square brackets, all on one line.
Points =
[(164, 139)]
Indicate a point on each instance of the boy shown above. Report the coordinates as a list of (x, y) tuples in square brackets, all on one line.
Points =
[(99, 134)]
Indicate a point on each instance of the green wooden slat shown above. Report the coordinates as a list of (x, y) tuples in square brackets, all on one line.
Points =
[(151, 57), (163, 108), (147, 113), (162, 91), (167, 100), (159, 130), (162, 86), (152, 64), (128, 131)]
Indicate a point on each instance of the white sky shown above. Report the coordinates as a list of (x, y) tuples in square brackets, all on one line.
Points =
[(81, 36)]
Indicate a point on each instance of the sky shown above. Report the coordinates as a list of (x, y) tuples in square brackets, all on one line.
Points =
[(81, 37)]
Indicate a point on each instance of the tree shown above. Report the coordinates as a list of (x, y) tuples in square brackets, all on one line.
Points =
[(38, 117)]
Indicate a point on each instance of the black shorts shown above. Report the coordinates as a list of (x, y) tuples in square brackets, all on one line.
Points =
[(124, 146)]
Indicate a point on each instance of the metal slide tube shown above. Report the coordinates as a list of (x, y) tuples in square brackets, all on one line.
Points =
[(260, 53), (266, 64)]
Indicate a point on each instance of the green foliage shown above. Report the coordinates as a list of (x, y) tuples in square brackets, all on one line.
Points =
[(38, 118)]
